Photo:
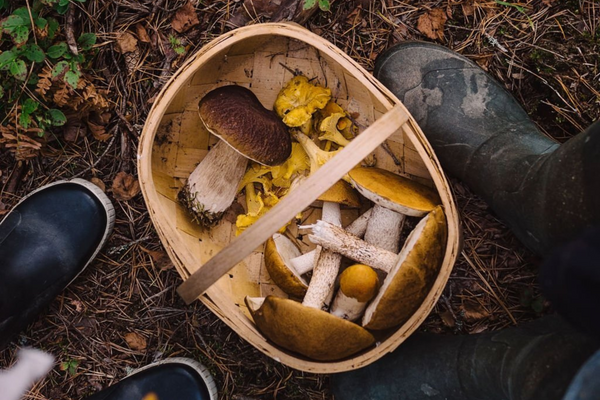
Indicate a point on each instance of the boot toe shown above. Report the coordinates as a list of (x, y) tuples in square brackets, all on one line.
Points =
[(172, 379), (45, 242)]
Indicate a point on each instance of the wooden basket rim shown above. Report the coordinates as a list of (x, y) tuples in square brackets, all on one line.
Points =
[(212, 297)]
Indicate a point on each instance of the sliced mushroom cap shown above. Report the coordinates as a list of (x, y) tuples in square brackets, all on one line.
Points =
[(311, 332), (279, 250), (393, 191), (341, 193), (235, 115), (410, 280)]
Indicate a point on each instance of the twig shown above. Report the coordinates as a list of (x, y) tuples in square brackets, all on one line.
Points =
[(69, 32)]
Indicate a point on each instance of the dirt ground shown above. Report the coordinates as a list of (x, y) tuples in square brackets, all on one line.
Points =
[(123, 312)]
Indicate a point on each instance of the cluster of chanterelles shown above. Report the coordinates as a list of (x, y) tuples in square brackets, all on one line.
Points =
[(333, 314)]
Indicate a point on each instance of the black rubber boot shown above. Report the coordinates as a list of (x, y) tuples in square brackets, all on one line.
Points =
[(46, 240), (547, 193), (533, 361), (171, 379)]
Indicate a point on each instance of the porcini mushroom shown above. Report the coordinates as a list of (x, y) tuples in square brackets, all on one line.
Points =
[(308, 331), (306, 261), (278, 252), (358, 285), (410, 273), (409, 281), (395, 197), (247, 131)]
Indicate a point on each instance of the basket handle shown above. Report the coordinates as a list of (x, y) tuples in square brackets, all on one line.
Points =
[(315, 185)]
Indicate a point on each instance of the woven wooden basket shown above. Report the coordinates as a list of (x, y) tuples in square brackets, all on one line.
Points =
[(174, 141)]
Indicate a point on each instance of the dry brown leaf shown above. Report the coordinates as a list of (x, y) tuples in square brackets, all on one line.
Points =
[(473, 311), (77, 304), (185, 18), (98, 131), (467, 8), (135, 341), (126, 42), (431, 24), (160, 259), (73, 129), (98, 182), (142, 33), (125, 186), (448, 318)]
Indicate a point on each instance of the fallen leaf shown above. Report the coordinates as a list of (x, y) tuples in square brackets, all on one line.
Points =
[(447, 318), (98, 182), (473, 311), (73, 129), (78, 305), (261, 7), (185, 18), (98, 131), (431, 24), (135, 341), (125, 186), (126, 42), (142, 33), (160, 259), (478, 329), (467, 9)]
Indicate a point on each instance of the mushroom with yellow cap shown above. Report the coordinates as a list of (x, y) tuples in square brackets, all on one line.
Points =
[(410, 274), (358, 285), (314, 333), (395, 197)]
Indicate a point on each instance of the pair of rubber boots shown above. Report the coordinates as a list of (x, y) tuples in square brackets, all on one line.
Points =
[(549, 196), (46, 241)]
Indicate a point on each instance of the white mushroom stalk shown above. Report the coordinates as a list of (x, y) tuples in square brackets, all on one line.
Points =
[(250, 131), (395, 197), (327, 267), (358, 285), (306, 261), (336, 239), (221, 171), (384, 228)]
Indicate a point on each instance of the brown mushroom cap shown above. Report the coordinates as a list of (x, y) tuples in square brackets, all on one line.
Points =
[(309, 331), (410, 280), (342, 193), (279, 250), (393, 191), (235, 115)]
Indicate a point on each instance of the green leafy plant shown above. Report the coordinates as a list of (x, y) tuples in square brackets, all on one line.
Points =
[(70, 366), (324, 5), (176, 45), (39, 74)]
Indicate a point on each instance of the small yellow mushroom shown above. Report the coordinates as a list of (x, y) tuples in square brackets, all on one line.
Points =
[(299, 99)]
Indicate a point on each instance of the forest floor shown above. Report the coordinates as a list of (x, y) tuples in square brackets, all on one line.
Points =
[(123, 312)]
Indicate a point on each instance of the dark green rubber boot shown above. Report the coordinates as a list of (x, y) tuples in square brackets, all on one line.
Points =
[(534, 361), (546, 193)]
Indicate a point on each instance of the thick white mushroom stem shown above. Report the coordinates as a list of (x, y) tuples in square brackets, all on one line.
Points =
[(336, 239), (384, 228), (327, 267), (212, 186), (358, 285), (306, 261)]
